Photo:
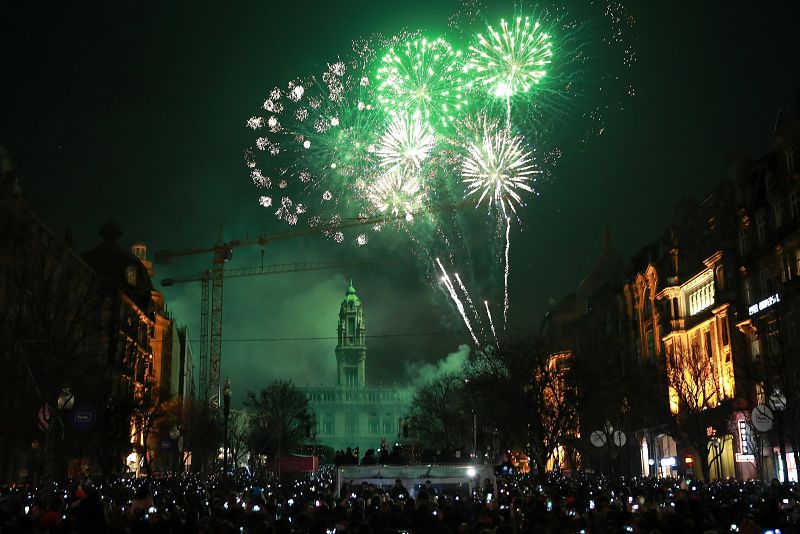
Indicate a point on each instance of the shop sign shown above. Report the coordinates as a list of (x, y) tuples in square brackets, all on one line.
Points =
[(764, 304)]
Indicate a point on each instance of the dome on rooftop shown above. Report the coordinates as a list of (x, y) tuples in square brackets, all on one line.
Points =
[(350, 296)]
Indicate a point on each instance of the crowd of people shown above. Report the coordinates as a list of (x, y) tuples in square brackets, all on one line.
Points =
[(316, 504), (371, 457)]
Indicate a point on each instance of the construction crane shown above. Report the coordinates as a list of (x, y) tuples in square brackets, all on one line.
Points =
[(205, 277), (222, 251)]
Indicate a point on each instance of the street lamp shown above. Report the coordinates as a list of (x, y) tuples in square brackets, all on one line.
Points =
[(226, 411), (778, 403), (66, 400), (174, 435)]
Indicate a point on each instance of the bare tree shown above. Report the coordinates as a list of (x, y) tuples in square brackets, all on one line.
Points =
[(529, 394), (202, 433), (698, 403), (49, 332), (436, 411), (279, 418), (237, 436)]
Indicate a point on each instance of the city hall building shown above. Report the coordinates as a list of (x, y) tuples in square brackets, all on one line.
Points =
[(352, 413)]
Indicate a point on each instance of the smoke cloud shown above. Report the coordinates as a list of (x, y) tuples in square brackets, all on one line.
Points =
[(422, 372)]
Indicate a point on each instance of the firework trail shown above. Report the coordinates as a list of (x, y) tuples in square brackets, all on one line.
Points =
[(489, 315), (505, 273), (450, 289), (469, 299)]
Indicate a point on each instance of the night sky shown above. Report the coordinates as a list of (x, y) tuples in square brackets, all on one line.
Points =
[(136, 111)]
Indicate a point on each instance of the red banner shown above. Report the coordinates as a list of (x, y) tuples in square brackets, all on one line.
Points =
[(293, 464)]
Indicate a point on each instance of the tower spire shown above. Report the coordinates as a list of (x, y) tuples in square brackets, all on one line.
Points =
[(351, 349)]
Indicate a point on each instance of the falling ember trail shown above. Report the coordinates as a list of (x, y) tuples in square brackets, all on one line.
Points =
[(469, 300), (505, 274), (491, 323), (449, 284)]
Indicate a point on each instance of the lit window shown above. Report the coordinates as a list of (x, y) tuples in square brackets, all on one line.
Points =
[(701, 298), (748, 291)]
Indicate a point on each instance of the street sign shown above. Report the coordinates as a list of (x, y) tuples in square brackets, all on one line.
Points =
[(83, 417), (777, 401), (598, 438), (761, 417)]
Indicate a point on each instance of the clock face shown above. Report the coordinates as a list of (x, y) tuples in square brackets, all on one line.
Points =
[(130, 275)]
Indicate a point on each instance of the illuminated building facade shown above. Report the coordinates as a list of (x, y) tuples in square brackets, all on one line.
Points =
[(702, 323), (352, 413), (768, 243), (142, 339)]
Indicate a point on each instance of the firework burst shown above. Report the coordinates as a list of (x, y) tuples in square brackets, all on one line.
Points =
[(497, 167), (395, 192), (512, 60), (425, 79), (406, 144)]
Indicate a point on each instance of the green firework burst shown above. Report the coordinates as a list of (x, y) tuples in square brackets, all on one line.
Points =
[(425, 79), (513, 60)]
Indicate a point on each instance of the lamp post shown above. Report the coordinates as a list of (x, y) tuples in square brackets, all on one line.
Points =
[(778, 403), (226, 411), (174, 435), (53, 462)]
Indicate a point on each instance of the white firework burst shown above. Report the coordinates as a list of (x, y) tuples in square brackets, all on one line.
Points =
[(497, 167), (406, 144), (396, 192)]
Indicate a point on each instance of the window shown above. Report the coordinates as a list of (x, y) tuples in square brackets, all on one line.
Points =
[(351, 328), (761, 228), (761, 397), (773, 343), (329, 427), (767, 277), (701, 298), (755, 347), (350, 425), (388, 424), (374, 427), (709, 348), (789, 158), (777, 211), (748, 291), (794, 203), (796, 271), (351, 377), (724, 327), (744, 240), (651, 344)]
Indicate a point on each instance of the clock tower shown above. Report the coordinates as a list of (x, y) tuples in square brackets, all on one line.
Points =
[(351, 349)]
